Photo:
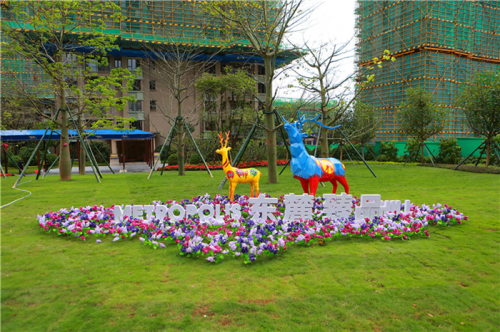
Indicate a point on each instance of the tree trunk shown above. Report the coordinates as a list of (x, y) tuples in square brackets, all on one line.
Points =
[(180, 141), (325, 151), (422, 156), (272, 168), (488, 144), (363, 151), (81, 159), (65, 156), (341, 146)]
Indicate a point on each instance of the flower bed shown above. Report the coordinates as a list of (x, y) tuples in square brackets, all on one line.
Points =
[(243, 238), (262, 163), (6, 174)]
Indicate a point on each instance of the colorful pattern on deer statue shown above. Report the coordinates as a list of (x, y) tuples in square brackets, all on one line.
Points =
[(237, 175), (308, 169)]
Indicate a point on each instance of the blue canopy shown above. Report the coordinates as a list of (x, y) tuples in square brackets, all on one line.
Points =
[(103, 134)]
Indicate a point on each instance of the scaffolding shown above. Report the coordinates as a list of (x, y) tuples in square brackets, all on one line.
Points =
[(437, 44), (166, 22)]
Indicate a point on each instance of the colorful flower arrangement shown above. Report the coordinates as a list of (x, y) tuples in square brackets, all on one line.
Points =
[(201, 167), (245, 238)]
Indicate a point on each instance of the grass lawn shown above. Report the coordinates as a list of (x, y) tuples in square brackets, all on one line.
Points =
[(448, 282)]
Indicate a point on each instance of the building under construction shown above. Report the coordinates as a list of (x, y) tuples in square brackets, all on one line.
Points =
[(146, 24), (437, 44)]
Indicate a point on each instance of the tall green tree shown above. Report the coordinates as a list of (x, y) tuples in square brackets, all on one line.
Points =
[(265, 25), (66, 41), (480, 103), (419, 116)]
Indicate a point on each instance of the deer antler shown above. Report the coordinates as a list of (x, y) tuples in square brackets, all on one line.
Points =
[(221, 139), (227, 138), (303, 120)]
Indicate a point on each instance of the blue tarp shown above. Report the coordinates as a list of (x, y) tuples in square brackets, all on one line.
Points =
[(104, 134)]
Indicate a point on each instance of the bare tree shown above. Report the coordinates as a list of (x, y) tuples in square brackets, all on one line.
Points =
[(177, 67), (320, 77), (264, 25)]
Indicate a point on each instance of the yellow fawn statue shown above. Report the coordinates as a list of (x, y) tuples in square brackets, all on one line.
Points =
[(236, 175)]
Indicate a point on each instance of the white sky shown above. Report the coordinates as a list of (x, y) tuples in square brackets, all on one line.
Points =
[(332, 20)]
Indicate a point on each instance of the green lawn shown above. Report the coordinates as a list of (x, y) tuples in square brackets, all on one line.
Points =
[(448, 282)]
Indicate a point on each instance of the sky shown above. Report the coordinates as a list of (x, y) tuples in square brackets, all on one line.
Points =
[(331, 21)]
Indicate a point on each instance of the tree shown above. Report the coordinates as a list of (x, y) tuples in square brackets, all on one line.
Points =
[(366, 123), (177, 67), (48, 35), (480, 103), (265, 25), (419, 117), (214, 90), (347, 122), (318, 75)]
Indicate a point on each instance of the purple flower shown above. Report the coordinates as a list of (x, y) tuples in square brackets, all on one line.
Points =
[(98, 241), (162, 245)]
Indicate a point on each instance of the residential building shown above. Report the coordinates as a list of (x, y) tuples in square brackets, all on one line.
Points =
[(437, 45), (161, 23)]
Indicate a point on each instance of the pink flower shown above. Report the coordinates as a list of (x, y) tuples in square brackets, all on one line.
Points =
[(65, 144)]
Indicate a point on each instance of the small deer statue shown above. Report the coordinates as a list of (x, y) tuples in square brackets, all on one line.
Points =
[(236, 175), (308, 169)]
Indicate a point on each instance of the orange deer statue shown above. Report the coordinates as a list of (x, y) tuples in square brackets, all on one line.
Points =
[(236, 175)]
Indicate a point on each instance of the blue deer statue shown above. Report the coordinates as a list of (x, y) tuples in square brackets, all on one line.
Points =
[(308, 169)]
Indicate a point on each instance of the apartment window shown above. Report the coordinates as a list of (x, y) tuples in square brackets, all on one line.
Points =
[(133, 64), (69, 58), (96, 66), (137, 85), (261, 70), (118, 63), (210, 68), (137, 124), (92, 63), (135, 106), (261, 88), (152, 105), (103, 68), (152, 85)]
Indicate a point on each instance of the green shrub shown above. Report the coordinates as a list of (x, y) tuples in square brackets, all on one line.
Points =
[(369, 152), (282, 152), (10, 163), (410, 147), (51, 157), (104, 148), (449, 151), (25, 153), (388, 152), (172, 160), (165, 154), (195, 159), (256, 150)]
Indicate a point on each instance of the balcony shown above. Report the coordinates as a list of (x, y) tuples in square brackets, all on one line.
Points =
[(261, 97), (139, 116), (138, 74), (259, 78), (139, 95)]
